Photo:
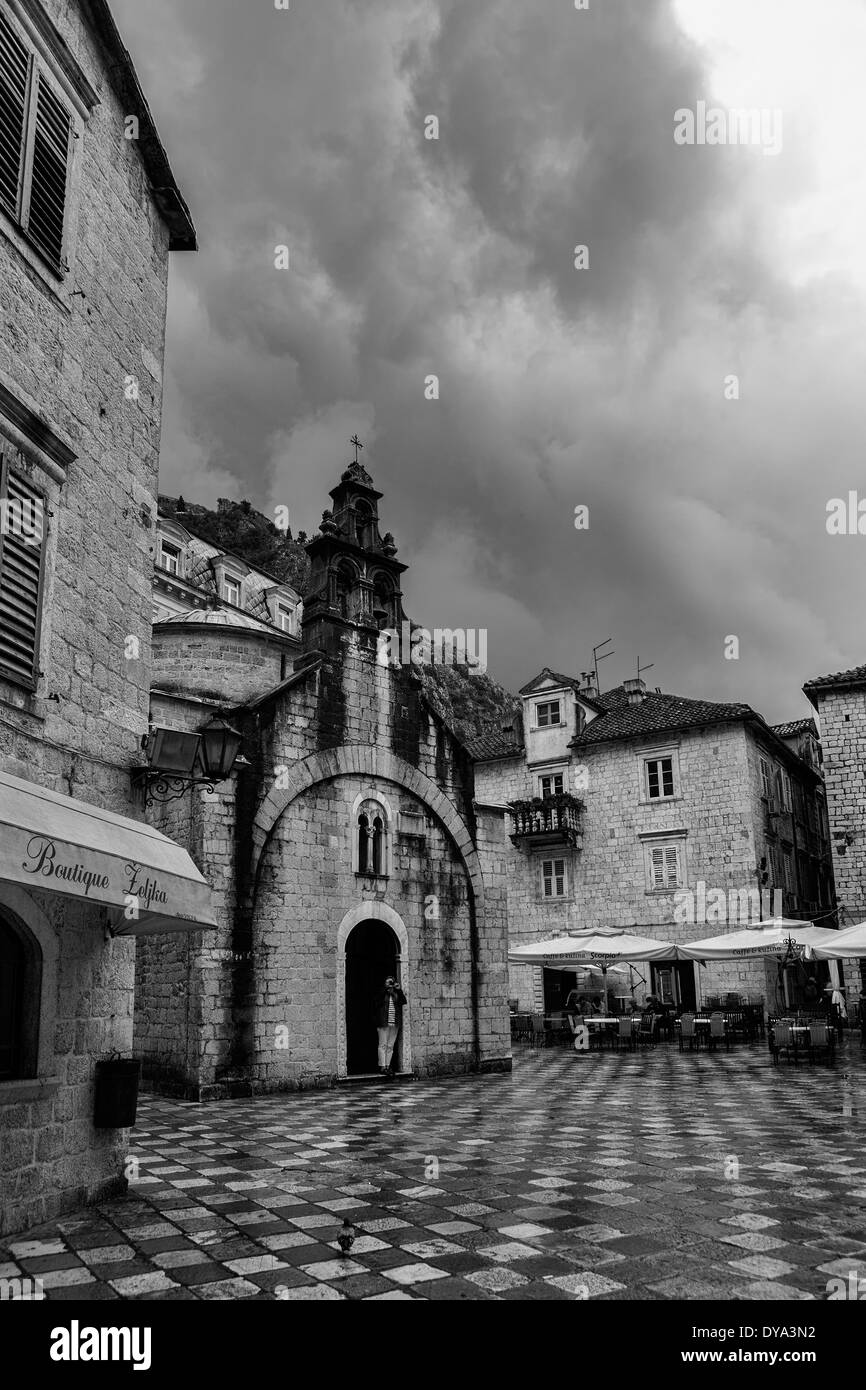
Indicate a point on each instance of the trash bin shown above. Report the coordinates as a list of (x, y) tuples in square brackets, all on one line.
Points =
[(116, 1093)]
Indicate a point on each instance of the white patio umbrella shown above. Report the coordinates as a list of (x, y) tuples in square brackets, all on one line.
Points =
[(771, 938), (850, 942), (602, 946)]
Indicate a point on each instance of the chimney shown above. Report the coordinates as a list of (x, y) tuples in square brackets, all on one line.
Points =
[(635, 690), (587, 684)]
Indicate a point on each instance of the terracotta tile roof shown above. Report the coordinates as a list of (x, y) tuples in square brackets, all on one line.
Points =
[(856, 676), (795, 726), (560, 679), (657, 713), (487, 747)]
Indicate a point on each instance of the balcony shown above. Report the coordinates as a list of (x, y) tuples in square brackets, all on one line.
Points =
[(547, 821)]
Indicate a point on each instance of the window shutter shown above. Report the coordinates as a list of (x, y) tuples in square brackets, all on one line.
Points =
[(672, 865), (22, 558), (46, 214), (14, 68), (657, 867)]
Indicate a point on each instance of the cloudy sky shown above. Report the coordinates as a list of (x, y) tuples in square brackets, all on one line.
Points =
[(602, 387)]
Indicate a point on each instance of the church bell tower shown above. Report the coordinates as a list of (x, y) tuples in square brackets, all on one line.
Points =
[(355, 575)]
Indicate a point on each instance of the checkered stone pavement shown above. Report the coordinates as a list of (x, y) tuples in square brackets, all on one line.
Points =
[(604, 1176)]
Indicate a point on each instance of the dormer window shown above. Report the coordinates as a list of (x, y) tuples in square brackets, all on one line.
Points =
[(284, 617), (232, 591), (548, 713), (169, 557)]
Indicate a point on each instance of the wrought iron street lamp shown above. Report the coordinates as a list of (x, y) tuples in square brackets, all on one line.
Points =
[(178, 760)]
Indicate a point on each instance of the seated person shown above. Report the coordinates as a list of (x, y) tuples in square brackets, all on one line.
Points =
[(593, 1006), (575, 1007)]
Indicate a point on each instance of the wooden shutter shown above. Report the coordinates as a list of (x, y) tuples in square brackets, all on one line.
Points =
[(657, 867), (22, 566), (672, 866), (14, 72), (47, 194)]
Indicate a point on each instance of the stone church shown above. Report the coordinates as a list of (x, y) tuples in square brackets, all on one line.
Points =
[(349, 846)]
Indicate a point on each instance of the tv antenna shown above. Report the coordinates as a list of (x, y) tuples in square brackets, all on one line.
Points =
[(596, 658), (640, 668)]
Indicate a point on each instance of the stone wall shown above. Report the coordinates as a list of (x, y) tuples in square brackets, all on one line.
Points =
[(843, 739), (51, 1156), (719, 807), (83, 354), (263, 994), (230, 664)]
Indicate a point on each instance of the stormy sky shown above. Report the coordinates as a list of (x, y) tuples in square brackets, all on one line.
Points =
[(606, 387)]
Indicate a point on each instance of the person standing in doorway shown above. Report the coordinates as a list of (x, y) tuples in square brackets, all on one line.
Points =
[(389, 1019)]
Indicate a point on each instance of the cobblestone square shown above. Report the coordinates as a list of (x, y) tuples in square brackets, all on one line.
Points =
[(660, 1175)]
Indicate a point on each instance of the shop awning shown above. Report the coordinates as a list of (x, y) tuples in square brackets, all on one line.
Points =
[(54, 844)]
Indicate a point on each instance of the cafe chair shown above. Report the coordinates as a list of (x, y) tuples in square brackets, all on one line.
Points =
[(625, 1035), (646, 1035), (718, 1032), (783, 1038), (821, 1042), (688, 1031), (539, 1037)]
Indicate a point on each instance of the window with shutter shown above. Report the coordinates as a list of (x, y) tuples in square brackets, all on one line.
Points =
[(665, 867), (35, 141), (22, 567), (14, 78)]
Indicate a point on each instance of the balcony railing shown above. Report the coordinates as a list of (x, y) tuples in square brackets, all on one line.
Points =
[(547, 820)]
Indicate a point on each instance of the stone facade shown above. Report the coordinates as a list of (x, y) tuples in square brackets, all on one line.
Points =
[(272, 1003), (840, 701), (718, 823), (81, 349)]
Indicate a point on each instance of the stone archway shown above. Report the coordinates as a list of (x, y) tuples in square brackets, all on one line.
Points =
[(371, 911), (366, 763), (355, 760)]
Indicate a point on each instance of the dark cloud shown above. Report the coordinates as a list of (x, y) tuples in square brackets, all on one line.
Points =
[(558, 387)]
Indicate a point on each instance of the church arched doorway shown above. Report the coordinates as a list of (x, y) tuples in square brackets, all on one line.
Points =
[(372, 953)]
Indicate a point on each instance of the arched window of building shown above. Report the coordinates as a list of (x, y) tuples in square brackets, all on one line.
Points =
[(384, 604), (364, 524), (378, 845), (363, 843), (20, 1000), (371, 850), (345, 584)]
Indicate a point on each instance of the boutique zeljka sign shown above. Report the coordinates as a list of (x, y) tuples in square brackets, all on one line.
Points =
[(93, 876)]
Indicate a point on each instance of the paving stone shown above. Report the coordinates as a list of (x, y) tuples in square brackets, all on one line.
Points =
[(516, 1217)]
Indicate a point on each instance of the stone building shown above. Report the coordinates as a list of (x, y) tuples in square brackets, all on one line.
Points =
[(840, 702), (87, 221), (349, 848), (643, 810)]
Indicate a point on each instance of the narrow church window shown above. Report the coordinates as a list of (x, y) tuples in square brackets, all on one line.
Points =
[(370, 851), (383, 602), (344, 592), (378, 845), (363, 525), (363, 843)]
